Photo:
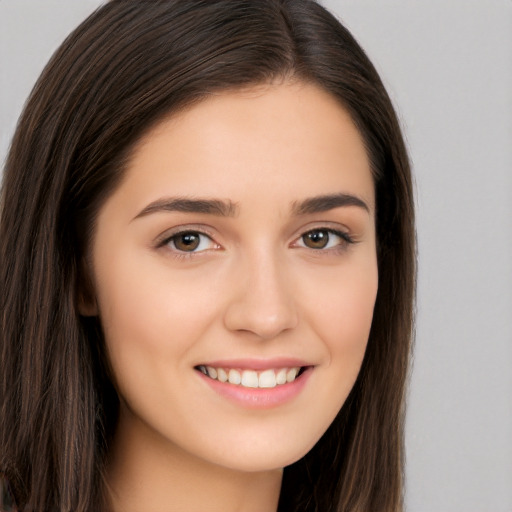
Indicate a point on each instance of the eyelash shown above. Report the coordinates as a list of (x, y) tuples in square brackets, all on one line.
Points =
[(345, 240), (177, 253)]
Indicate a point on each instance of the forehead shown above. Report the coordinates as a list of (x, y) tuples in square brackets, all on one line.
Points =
[(288, 139)]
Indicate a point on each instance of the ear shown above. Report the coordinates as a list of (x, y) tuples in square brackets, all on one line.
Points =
[(85, 293)]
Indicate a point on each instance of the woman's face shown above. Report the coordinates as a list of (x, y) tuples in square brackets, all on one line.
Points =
[(240, 244)]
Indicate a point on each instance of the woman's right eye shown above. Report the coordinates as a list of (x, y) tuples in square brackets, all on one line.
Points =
[(190, 242)]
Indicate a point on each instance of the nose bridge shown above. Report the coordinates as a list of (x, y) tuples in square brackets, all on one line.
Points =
[(263, 301)]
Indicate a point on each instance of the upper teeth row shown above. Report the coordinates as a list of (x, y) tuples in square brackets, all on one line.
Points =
[(250, 378)]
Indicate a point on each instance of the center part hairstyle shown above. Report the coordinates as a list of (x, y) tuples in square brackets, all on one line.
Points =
[(131, 64)]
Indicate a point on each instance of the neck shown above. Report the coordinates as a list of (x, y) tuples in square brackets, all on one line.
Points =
[(147, 473)]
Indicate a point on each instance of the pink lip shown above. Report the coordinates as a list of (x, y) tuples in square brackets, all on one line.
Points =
[(258, 398), (258, 364)]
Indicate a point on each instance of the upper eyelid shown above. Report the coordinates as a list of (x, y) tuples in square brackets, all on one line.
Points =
[(335, 228), (332, 227), (178, 230), (165, 242), (346, 237)]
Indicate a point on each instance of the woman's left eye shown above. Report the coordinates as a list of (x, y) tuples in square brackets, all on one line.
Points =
[(323, 238), (190, 242)]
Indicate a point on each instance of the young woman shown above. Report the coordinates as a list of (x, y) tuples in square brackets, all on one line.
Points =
[(207, 267)]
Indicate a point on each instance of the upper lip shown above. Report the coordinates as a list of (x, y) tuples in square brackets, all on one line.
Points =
[(257, 364)]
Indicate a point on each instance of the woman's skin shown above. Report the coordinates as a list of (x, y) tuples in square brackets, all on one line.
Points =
[(220, 248)]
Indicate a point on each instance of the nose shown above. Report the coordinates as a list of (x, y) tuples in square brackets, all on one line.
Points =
[(262, 300)]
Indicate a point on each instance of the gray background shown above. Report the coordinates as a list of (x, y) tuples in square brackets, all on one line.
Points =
[(448, 68)]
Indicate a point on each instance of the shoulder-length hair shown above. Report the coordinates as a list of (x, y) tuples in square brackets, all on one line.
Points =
[(127, 66)]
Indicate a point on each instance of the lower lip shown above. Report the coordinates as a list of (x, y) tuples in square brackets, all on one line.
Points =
[(259, 398)]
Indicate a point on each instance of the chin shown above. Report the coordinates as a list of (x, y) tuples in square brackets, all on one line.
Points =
[(261, 457)]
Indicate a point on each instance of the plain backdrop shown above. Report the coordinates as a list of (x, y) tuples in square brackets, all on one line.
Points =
[(448, 68)]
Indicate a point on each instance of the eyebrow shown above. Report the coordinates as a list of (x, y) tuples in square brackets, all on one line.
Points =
[(324, 203), (317, 204), (187, 205)]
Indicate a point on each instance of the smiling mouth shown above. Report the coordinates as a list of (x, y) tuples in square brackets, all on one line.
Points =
[(266, 379)]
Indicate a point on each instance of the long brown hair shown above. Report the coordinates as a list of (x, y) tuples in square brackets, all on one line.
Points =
[(123, 69)]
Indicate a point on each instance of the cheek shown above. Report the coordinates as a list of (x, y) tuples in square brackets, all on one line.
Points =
[(150, 318), (343, 312), (342, 318)]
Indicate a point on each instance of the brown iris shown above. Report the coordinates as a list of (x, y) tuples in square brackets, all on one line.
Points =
[(187, 241), (317, 239)]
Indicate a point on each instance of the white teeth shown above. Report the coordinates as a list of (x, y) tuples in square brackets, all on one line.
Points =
[(291, 374), (267, 379), (281, 376), (251, 378), (234, 377)]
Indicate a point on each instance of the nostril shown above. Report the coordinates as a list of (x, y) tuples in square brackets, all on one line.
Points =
[(252, 318), (263, 303)]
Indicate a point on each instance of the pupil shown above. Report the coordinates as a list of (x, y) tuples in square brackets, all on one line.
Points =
[(187, 241), (317, 239)]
